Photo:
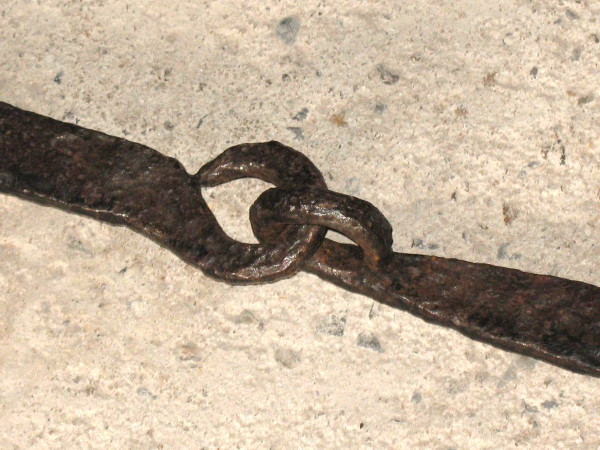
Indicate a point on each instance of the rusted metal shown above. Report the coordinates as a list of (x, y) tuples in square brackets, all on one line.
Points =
[(121, 182)]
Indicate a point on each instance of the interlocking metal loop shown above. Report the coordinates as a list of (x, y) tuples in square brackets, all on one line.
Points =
[(126, 183), (271, 259), (122, 182), (355, 218)]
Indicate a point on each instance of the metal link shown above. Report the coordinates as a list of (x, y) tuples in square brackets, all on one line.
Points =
[(125, 183), (355, 218), (271, 260)]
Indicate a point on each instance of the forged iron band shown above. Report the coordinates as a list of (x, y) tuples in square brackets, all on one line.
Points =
[(122, 182)]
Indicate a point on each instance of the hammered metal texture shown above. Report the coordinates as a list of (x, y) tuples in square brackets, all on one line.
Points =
[(121, 182)]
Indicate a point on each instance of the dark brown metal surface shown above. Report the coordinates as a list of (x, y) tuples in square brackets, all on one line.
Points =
[(121, 182)]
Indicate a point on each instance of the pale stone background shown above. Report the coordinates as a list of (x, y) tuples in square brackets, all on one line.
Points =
[(473, 125)]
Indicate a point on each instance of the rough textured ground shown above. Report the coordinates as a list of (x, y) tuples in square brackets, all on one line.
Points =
[(473, 125)]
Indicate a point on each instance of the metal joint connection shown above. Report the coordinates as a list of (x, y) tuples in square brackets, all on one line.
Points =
[(122, 182)]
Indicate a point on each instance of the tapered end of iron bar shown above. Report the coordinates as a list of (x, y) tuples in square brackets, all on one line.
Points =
[(545, 317)]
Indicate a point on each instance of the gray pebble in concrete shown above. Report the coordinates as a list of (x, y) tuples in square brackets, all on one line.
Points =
[(387, 76), (380, 108), (369, 340), (333, 325), (549, 404), (58, 77), (287, 29), (533, 72), (287, 357), (301, 115), (298, 132)]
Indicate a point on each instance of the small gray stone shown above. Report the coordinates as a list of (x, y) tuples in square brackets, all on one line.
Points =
[(585, 99), (286, 357), (333, 325), (571, 14), (501, 254), (287, 29), (528, 408), (145, 392), (387, 76), (380, 108), (416, 397), (533, 72), (417, 243), (78, 246), (549, 404), (301, 115), (58, 77), (298, 132), (369, 340)]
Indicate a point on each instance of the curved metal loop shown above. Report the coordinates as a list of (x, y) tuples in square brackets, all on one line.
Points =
[(355, 218), (274, 259)]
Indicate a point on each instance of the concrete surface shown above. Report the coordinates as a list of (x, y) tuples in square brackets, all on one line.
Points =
[(473, 125)]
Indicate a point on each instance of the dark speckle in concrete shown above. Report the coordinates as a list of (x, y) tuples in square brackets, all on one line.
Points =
[(58, 77), (298, 132), (369, 340), (168, 125), (419, 243), (387, 76), (339, 119), (145, 392), (549, 404), (503, 253), (286, 357), (201, 121), (585, 99), (571, 14), (533, 72), (333, 325), (300, 115), (416, 397), (490, 79), (502, 250), (287, 29), (78, 246), (189, 351), (380, 108), (528, 408), (509, 214)]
